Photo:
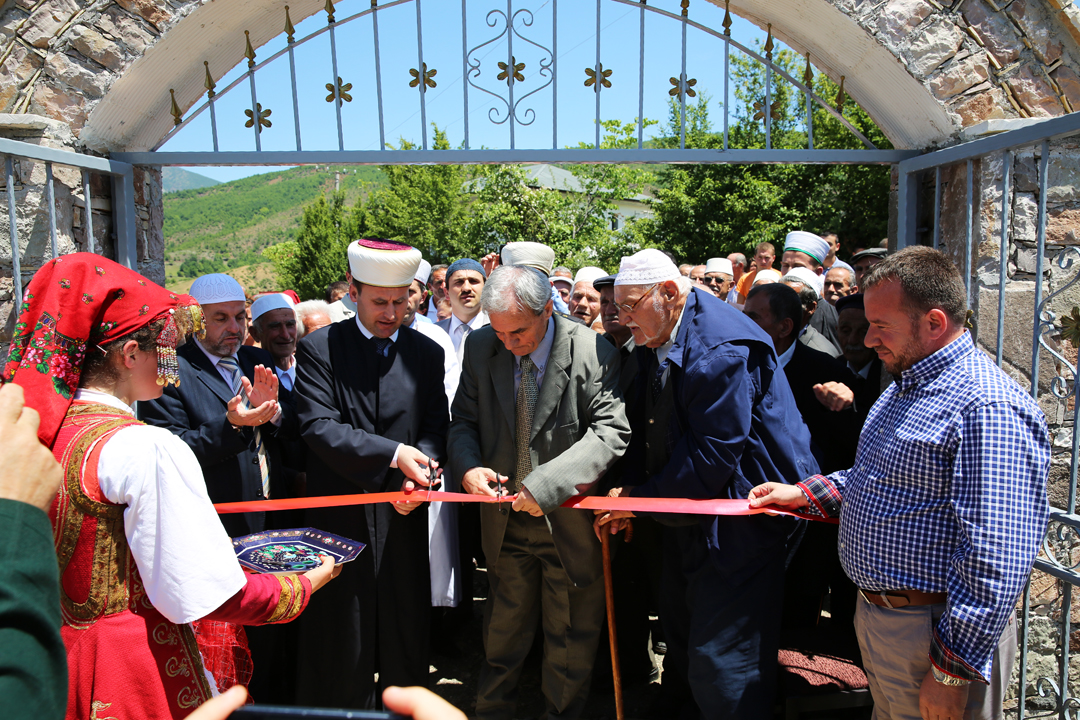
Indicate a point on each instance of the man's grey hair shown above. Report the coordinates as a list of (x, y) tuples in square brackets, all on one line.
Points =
[(807, 295), (515, 287), (850, 274), (561, 269), (307, 309), (737, 258)]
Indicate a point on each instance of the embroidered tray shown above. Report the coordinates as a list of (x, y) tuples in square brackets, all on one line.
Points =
[(293, 551)]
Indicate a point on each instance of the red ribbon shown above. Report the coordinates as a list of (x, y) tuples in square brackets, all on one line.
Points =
[(680, 506)]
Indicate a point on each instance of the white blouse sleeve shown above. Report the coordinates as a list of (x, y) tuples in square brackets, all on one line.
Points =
[(183, 553)]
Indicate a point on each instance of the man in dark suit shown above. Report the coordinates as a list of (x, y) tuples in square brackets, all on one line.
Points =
[(374, 414), (234, 433), (714, 412), (538, 412), (815, 569), (870, 378)]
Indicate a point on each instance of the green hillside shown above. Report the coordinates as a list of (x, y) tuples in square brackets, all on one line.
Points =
[(174, 178), (224, 228)]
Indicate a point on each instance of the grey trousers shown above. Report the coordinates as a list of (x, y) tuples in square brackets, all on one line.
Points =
[(527, 582), (895, 646)]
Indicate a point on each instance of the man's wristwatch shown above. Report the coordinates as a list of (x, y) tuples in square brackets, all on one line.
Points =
[(948, 680)]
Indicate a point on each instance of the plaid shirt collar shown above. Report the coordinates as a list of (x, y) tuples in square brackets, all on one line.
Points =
[(933, 365)]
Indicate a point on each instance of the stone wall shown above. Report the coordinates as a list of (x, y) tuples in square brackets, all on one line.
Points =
[(32, 214)]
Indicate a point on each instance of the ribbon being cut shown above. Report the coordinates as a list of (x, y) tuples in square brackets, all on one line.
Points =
[(680, 506)]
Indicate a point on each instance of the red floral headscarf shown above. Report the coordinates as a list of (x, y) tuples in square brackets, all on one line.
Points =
[(80, 301)]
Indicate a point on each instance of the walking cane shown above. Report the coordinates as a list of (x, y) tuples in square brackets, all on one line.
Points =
[(609, 598)]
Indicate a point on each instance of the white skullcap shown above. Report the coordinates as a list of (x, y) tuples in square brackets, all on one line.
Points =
[(767, 276), (423, 272), (720, 265), (383, 263), (807, 277), (273, 301), (216, 288), (646, 267), (530, 254), (588, 274), (807, 243)]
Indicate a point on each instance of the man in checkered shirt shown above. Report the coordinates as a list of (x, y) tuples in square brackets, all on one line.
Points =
[(943, 512)]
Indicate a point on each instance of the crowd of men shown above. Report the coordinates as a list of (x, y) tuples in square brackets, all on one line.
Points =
[(508, 377)]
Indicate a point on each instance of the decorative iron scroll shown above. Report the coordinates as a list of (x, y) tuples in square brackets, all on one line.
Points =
[(510, 72)]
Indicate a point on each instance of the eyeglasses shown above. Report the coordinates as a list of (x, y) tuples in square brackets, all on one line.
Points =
[(627, 309)]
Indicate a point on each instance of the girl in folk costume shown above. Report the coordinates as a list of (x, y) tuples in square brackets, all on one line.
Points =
[(142, 553)]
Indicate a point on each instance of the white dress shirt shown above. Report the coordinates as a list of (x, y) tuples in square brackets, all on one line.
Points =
[(157, 477), (460, 330)]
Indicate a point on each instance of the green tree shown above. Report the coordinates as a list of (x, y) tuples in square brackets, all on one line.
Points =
[(422, 205), (317, 257)]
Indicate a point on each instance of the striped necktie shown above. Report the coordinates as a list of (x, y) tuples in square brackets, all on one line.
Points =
[(526, 405), (229, 363)]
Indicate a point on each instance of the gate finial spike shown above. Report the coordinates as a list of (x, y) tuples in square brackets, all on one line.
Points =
[(727, 18), (808, 74), (175, 110), (208, 83), (685, 5), (769, 44), (329, 11), (249, 52), (289, 29), (840, 97)]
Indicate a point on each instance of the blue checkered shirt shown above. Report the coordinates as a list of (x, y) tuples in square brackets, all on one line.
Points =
[(948, 494)]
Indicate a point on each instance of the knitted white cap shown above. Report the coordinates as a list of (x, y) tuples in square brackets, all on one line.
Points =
[(720, 265), (423, 272), (767, 276), (273, 301), (216, 288), (646, 267), (807, 277), (588, 274)]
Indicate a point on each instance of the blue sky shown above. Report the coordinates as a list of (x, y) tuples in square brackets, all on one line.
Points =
[(442, 49)]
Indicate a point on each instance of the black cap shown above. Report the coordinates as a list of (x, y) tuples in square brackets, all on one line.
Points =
[(603, 282), (850, 302), (869, 252)]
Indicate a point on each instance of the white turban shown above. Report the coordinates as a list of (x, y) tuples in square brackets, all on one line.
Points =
[(530, 254), (646, 267), (808, 244), (216, 288), (766, 276), (383, 263), (588, 274), (273, 301), (807, 277), (719, 265)]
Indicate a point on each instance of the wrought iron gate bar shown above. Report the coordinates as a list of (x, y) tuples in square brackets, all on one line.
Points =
[(13, 227), (1003, 251), (598, 79), (335, 79), (421, 67), (489, 157), (50, 197), (513, 99)]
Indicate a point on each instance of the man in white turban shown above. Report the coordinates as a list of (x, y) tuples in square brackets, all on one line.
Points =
[(807, 250), (374, 414)]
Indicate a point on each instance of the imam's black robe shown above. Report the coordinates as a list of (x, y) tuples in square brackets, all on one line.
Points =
[(354, 407)]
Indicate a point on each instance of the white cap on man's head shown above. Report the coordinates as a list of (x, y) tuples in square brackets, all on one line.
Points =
[(383, 263), (808, 244), (273, 301), (561, 279), (216, 288), (807, 277), (423, 272), (531, 254), (588, 274), (719, 265), (646, 267)]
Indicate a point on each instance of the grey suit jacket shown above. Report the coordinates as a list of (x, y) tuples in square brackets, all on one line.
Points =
[(814, 340), (579, 430)]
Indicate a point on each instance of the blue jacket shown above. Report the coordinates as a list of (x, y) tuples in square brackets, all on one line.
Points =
[(735, 424)]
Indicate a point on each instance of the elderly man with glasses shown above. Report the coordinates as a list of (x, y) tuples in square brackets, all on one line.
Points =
[(713, 413)]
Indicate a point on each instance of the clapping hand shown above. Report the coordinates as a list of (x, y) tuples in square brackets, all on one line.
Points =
[(262, 396)]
